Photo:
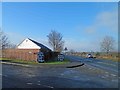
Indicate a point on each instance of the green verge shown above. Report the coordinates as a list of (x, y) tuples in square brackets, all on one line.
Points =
[(58, 62), (113, 59), (33, 62)]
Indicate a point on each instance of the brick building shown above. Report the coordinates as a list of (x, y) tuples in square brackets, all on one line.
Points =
[(27, 50)]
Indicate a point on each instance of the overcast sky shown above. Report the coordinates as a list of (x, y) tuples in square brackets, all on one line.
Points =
[(83, 25)]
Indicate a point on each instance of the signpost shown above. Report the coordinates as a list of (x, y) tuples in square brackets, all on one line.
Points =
[(61, 57), (40, 57)]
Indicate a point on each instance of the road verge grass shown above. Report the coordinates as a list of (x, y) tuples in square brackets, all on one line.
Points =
[(112, 59), (33, 62)]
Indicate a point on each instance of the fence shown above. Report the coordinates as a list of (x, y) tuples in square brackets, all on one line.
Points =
[(23, 54), (26, 54)]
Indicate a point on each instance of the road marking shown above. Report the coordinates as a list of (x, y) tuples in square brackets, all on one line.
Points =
[(47, 86), (29, 83), (38, 84), (113, 75), (31, 75), (93, 69), (62, 74), (103, 77), (90, 68), (88, 79), (107, 63), (3, 75), (15, 64), (106, 72), (44, 85), (114, 80)]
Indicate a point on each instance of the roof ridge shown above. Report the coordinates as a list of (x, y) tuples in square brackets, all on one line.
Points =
[(39, 44)]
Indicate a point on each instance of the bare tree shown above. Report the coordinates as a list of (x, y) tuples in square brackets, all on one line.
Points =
[(55, 40), (3, 40), (11, 45), (107, 44)]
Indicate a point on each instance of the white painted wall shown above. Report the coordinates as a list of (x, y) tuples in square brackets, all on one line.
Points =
[(28, 44)]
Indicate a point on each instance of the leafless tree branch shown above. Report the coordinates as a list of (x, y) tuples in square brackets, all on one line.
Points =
[(107, 44), (55, 40)]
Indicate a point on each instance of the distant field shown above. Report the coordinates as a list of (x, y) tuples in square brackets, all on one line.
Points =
[(99, 55)]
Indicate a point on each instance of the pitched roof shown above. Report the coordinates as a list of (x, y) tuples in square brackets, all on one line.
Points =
[(39, 44)]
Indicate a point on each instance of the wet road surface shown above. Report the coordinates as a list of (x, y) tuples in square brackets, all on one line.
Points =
[(57, 76)]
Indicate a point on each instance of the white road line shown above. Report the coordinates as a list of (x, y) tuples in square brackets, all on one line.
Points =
[(88, 79), (47, 86), (93, 69), (90, 68), (3, 75), (107, 63), (29, 83), (107, 75), (113, 75), (15, 64), (106, 72), (114, 80), (38, 84), (44, 85), (31, 75), (61, 74), (103, 77)]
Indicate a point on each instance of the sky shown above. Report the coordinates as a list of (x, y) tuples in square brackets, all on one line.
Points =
[(82, 24)]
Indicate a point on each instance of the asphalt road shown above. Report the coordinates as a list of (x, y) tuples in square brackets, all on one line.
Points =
[(58, 76), (108, 65)]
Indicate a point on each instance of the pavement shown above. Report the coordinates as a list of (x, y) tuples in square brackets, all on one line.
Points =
[(58, 76), (11, 63)]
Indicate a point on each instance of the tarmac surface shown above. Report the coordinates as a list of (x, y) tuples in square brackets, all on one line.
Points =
[(58, 76)]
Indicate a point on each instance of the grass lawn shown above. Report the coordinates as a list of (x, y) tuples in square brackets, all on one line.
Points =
[(33, 62)]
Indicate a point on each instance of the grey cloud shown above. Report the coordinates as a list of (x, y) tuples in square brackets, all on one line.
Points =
[(106, 19)]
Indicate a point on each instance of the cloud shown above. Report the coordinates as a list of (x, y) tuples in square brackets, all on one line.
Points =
[(81, 45), (105, 20), (90, 30), (108, 19)]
